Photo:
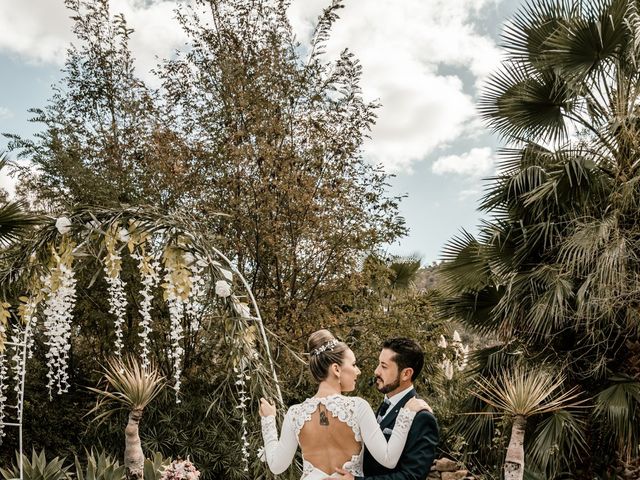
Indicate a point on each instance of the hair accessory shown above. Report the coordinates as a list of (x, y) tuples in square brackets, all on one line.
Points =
[(330, 345)]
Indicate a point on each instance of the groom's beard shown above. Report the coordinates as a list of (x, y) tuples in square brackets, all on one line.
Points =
[(388, 387)]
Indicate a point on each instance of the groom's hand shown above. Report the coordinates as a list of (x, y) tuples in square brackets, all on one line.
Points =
[(344, 475)]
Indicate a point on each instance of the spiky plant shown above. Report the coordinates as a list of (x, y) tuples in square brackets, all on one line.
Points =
[(100, 466), (130, 387), (522, 393), (38, 468)]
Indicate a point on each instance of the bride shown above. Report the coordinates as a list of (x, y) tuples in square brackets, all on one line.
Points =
[(331, 429)]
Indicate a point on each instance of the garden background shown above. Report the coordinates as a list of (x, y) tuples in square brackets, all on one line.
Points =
[(252, 144)]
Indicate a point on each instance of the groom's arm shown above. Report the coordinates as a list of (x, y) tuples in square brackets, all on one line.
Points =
[(419, 452)]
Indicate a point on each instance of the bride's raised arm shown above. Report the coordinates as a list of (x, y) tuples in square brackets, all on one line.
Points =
[(386, 454), (278, 454)]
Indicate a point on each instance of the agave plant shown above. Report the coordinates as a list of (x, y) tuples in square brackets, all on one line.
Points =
[(38, 468), (130, 387), (154, 466), (520, 394), (100, 466)]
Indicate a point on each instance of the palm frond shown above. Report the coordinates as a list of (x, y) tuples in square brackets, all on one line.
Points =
[(519, 102), (619, 406), (580, 45), (404, 270), (526, 36), (558, 439), (15, 222), (465, 263)]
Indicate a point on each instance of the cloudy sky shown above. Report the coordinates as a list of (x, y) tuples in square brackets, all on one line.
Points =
[(424, 60)]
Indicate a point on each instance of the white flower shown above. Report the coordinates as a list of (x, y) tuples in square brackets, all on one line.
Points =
[(442, 343), (223, 289), (456, 336), (226, 274), (63, 224), (123, 235), (242, 309), (447, 367), (189, 258)]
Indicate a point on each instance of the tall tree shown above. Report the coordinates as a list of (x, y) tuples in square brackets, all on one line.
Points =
[(243, 124), (279, 137), (554, 273), (101, 137)]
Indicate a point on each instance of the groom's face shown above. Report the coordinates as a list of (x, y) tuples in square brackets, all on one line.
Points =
[(387, 372)]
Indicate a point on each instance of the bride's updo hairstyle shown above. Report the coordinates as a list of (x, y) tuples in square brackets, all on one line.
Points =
[(324, 351)]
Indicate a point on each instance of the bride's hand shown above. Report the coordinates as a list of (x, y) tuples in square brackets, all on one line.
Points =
[(417, 404), (267, 409)]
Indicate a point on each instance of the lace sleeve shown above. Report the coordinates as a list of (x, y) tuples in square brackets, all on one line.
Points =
[(279, 454), (386, 454)]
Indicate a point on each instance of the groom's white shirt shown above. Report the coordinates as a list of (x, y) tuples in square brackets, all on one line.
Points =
[(393, 400)]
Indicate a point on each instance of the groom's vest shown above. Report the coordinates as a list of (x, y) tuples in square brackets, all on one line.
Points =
[(419, 451)]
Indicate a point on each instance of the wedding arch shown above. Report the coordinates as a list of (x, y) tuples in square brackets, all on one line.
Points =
[(172, 260)]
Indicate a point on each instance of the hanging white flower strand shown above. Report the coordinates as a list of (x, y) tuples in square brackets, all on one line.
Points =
[(27, 312), (149, 268), (112, 269), (241, 378), (177, 287), (3, 392), (195, 305), (60, 289), (5, 315), (18, 365)]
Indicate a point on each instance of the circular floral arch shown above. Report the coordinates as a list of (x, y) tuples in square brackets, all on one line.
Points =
[(172, 258)]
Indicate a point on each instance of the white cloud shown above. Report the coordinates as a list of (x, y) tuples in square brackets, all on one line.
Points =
[(7, 183), (5, 113), (37, 30), (40, 30), (477, 162), (401, 46), (472, 193), (157, 32)]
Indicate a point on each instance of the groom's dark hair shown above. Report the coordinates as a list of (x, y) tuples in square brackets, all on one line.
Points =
[(408, 354)]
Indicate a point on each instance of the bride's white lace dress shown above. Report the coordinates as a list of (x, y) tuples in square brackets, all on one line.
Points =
[(352, 411)]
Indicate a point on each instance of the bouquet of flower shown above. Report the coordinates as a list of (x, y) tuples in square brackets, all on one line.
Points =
[(180, 470)]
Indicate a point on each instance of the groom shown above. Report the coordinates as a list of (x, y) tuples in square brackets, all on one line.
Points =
[(399, 364)]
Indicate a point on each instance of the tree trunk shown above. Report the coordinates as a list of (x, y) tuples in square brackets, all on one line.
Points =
[(514, 461), (133, 456)]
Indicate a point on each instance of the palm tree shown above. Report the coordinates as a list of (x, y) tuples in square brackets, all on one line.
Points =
[(521, 394), (128, 386), (555, 272)]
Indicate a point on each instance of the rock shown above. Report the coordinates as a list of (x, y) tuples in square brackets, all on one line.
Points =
[(433, 476), (458, 475), (446, 465)]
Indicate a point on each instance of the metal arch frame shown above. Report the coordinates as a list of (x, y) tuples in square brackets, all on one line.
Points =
[(20, 406), (258, 319)]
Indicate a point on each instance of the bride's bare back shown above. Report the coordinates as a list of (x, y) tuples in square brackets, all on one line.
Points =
[(327, 442)]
